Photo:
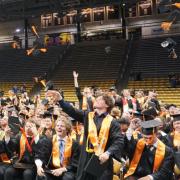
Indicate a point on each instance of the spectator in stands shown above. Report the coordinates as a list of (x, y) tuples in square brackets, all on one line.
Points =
[(86, 99)]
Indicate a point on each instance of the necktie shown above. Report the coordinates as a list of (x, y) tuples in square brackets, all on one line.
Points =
[(61, 150)]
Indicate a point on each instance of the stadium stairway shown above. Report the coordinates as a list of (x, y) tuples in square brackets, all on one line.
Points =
[(166, 94)]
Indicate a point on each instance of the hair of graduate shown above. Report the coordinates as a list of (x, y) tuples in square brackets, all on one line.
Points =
[(67, 123), (109, 101), (124, 120), (30, 121)]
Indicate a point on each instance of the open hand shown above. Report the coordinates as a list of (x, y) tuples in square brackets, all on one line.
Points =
[(75, 74)]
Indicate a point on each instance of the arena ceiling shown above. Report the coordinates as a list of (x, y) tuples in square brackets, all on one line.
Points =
[(19, 9)]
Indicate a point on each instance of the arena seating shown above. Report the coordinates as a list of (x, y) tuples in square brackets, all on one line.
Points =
[(94, 65), (152, 60), (16, 66)]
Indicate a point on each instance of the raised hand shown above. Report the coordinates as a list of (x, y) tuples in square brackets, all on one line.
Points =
[(75, 74)]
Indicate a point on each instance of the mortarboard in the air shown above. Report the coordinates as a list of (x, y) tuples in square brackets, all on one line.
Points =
[(148, 127), (45, 102), (49, 86)]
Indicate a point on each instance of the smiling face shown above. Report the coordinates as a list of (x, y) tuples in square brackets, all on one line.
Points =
[(176, 126), (29, 126), (48, 123), (63, 127)]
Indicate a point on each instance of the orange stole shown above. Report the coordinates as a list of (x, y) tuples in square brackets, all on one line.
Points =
[(98, 142), (159, 156), (23, 141), (4, 158), (22, 146), (85, 103), (56, 154)]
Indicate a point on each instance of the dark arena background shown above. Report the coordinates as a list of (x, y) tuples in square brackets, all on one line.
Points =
[(80, 50)]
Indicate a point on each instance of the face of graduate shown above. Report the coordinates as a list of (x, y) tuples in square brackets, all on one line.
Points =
[(29, 128), (3, 122), (123, 128), (100, 106), (61, 129), (48, 123), (149, 139), (126, 93), (176, 126), (87, 92)]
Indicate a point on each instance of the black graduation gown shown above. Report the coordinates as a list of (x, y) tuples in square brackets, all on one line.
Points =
[(80, 98), (170, 143), (114, 144), (44, 154), (4, 166), (145, 166)]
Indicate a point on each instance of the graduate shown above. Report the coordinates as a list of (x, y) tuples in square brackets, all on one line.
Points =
[(150, 159), (24, 145), (102, 135), (58, 157), (174, 142)]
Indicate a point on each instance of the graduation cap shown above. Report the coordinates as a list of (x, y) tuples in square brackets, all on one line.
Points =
[(45, 101), (176, 117), (149, 114), (112, 88), (138, 114), (14, 124), (148, 127), (23, 115), (49, 86), (170, 105), (47, 114), (174, 15), (94, 167)]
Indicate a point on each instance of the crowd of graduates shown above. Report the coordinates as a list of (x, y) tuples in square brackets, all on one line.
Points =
[(105, 136)]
